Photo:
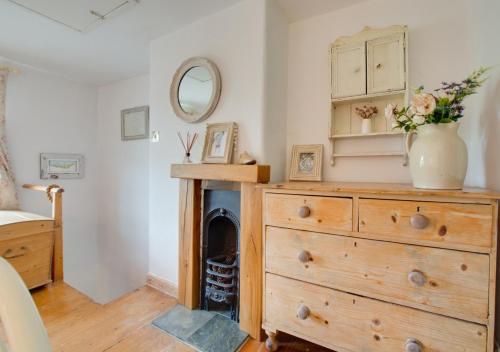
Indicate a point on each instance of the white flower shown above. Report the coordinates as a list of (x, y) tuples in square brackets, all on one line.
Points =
[(403, 118), (442, 94), (418, 120), (389, 112), (423, 103)]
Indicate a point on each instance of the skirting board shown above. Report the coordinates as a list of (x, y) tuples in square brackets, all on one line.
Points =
[(162, 285)]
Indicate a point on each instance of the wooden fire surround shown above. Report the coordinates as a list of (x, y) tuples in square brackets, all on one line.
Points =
[(190, 209)]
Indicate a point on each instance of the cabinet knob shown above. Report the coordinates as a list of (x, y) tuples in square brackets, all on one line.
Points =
[(357, 69), (419, 221), (304, 211), (303, 312), (413, 345), (304, 256), (417, 278), (379, 66)]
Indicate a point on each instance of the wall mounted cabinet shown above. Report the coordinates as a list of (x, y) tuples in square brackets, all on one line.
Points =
[(369, 68), (349, 70)]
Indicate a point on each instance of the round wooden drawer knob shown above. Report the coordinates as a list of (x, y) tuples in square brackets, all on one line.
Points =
[(418, 221), (303, 312), (417, 278), (413, 345), (304, 212), (304, 256)]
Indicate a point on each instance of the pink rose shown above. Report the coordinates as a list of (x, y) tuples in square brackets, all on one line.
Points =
[(423, 103)]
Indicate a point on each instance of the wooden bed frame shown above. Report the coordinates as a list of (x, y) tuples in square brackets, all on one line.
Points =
[(36, 240)]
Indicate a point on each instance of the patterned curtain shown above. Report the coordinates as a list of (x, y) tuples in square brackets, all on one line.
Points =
[(8, 196)]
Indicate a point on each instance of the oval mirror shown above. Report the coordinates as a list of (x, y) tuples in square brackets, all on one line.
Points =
[(195, 90)]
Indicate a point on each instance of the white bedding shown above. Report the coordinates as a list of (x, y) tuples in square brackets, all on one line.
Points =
[(14, 216)]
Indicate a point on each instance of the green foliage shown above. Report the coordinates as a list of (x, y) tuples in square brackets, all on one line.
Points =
[(448, 101)]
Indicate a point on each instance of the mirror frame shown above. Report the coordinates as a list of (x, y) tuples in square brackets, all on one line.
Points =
[(216, 89)]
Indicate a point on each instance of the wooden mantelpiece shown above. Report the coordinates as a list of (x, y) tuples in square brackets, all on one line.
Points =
[(190, 209), (217, 172)]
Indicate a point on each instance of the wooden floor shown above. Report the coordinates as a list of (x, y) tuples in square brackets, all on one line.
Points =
[(76, 324)]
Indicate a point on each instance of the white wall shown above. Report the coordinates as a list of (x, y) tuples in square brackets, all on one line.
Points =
[(235, 39), (122, 192), (482, 125), (49, 114), (439, 49), (275, 89)]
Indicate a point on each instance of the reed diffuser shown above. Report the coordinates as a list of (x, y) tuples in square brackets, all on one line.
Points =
[(188, 145)]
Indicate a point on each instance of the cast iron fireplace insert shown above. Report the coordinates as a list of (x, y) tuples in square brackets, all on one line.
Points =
[(220, 253)]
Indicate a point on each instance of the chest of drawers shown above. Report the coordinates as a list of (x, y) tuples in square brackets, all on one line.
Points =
[(379, 267)]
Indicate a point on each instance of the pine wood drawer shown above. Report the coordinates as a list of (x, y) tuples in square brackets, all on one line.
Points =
[(447, 225), (441, 281), (325, 214), (345, 322), (31, 256)]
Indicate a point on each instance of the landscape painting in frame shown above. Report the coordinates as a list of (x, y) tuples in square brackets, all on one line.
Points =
[(61, 166)]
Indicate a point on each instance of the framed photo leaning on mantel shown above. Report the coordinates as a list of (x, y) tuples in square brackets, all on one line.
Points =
[(135, 123), (219, 143), (306, 163), (61, 166)]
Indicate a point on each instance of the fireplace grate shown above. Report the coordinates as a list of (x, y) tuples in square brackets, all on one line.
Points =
[(222, 281)]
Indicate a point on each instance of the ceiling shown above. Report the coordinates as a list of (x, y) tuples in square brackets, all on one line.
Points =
[(114, 50), (63, 37), (297, 10)]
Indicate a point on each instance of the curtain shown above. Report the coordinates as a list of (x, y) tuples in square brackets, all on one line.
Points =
[(8, 196)]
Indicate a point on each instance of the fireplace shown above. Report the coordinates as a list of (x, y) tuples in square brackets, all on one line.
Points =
[(192, 211), (221, 253)]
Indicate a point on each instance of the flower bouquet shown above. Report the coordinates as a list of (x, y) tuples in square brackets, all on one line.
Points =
[(444, 105), (438, 158)]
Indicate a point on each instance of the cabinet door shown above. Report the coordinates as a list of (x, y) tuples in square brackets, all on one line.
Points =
[(386, 64), (349, 70)]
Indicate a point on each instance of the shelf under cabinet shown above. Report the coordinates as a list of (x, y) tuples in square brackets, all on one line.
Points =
[(369, 96), (365, 154), (373, 134)]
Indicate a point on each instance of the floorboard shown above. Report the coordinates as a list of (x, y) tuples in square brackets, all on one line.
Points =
[(77, 324)]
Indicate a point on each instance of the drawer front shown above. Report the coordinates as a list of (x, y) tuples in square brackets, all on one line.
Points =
[(325, 214), (442, 281), (449, 225), (346, 322), (31, 256)]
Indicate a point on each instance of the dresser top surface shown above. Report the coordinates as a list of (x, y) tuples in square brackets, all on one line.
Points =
[(400, 189)]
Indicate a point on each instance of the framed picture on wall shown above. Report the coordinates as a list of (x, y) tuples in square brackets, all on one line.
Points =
[(219, 143), (61, 166), (306, 163), (135, 123)]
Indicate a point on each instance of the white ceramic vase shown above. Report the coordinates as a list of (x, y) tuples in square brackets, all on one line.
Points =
[(366, 126), (438, 157)]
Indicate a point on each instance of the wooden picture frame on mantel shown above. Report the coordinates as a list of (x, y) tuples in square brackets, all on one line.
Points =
[(219, 143)]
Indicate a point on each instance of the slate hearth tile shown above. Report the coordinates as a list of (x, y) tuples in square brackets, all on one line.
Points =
[(182, 322), (220, 334)]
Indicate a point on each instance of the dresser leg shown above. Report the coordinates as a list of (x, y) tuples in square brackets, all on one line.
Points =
[(272, 341)]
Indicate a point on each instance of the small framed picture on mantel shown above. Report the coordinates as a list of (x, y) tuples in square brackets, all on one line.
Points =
[(219, 143), (306, 163)]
